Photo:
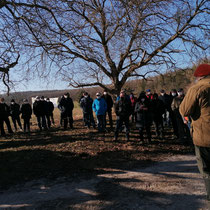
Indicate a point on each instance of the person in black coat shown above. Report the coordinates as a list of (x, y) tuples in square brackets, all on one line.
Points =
[(49, 112), (26, 112), (109, 103), (158, 111), (15, 114), (4, 117), (39, 109), (2, 114), (123, 111), (86, 104), (66, 107), (143, 116), (166, 99)]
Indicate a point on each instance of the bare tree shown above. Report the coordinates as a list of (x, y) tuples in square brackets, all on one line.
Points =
[(9, 56), (100, 42)]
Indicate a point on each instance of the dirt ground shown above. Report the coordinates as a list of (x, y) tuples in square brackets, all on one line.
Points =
[(84, 169), (172, 184)]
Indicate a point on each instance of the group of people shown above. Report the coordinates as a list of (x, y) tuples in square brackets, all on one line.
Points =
[(148, 109), (102, 105), (42, 109), (158, 109)]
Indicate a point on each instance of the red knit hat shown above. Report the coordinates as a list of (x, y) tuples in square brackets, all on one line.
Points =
[(202, 70)]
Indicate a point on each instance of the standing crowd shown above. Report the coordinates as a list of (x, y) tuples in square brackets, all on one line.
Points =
[(42, 109), (145, 110)]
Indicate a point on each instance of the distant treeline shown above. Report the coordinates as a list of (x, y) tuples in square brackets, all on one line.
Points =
[(177, 79)]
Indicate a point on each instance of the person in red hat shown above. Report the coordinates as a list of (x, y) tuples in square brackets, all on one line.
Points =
[(196, 105)]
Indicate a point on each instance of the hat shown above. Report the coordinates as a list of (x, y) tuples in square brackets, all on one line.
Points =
[(202, 70), (162, 91), (142, 95), (180, 90), (148, 90), (155, 95), (98, 94), (173, 90), (12, 100)]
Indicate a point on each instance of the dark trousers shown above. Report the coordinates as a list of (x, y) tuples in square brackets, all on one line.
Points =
[(68, 120), (48, 121), (109, 113), (41, 120), (6, 120), (119, 123), (2, 127), (26, 124), (159, 125), (183, 130), (133, 115), (101, 122), (16, 120), (148, 131), (174, 122), (88, 119), (203, 160)]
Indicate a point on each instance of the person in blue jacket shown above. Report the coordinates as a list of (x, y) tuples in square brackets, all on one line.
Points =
[(99, 107)]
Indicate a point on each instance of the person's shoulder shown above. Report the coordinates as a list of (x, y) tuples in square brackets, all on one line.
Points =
[(196, 87), (82, 99)]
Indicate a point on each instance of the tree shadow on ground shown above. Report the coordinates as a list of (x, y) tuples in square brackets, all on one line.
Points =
[(97, 184), (81, 154)]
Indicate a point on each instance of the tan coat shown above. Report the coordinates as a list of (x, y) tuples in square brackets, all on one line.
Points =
[(196, 104)]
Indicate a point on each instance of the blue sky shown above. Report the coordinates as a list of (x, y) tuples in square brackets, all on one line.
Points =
[(34, 82)]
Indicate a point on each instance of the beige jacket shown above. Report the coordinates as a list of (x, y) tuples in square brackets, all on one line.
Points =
[(196, 104)]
